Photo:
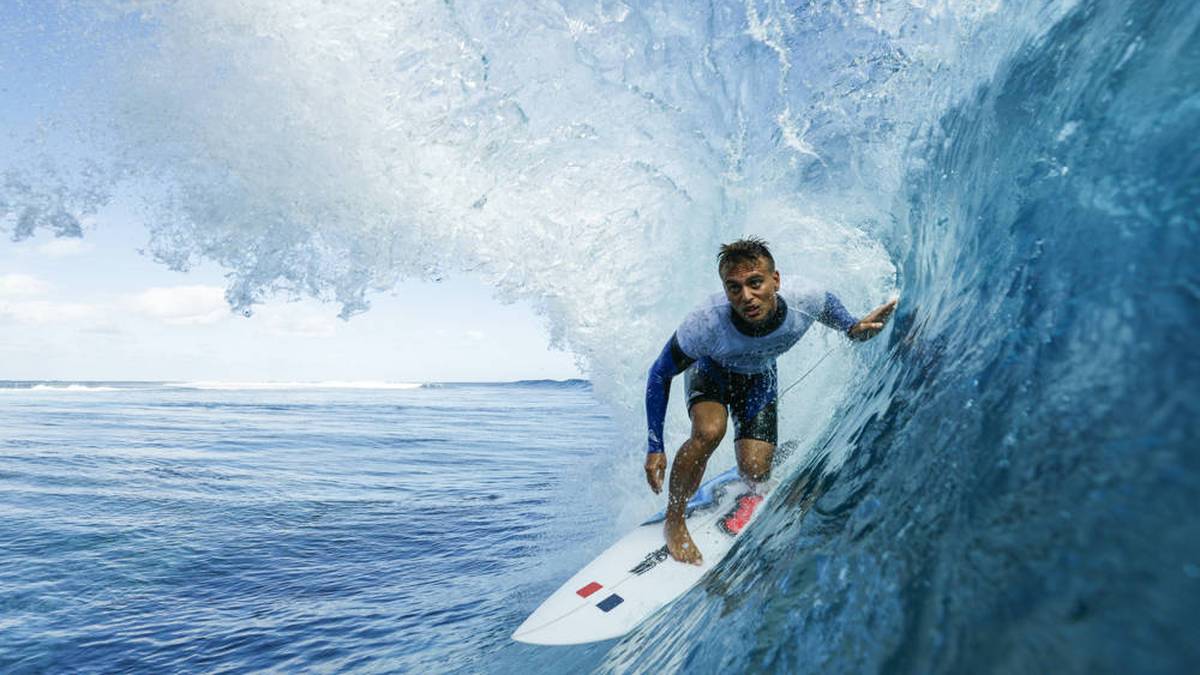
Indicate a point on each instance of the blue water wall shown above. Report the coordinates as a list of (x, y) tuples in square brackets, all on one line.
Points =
[(1019, 494), (1005, 481)]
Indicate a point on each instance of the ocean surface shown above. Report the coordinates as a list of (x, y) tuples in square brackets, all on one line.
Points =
[(1004, 481), (161, 527)]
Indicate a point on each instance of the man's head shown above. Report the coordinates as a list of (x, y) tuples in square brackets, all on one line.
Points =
[(748, 273)]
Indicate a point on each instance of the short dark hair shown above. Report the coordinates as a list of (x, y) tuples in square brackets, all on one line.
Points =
[(746, 250)]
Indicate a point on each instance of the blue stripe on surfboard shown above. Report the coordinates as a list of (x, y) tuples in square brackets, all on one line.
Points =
[(611, 601)]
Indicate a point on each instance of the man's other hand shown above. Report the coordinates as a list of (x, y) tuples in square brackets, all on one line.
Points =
[(656, 468), (873, 322)]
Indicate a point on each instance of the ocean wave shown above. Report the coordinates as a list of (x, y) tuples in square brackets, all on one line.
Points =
[(1001, 481), (283, 386), (72, 387)]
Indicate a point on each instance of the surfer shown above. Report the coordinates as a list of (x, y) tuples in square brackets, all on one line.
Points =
[(728, 347)]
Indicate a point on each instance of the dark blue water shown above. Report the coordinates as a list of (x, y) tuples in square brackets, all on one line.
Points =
[(161, 528), (1024, 461)]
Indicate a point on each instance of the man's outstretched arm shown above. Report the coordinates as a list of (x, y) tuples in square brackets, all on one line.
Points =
[(870, 325), (670, 362), (835, 315)]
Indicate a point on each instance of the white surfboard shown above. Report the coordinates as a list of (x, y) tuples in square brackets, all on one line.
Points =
[(636, 576)]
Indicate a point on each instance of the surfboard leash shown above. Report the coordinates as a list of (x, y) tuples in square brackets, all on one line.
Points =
[(806, 373)]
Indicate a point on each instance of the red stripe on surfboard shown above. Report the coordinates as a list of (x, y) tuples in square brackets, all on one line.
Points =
[(589, 589), (741, 515)]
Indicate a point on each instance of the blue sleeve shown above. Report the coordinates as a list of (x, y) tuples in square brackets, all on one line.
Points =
[(834, 314), (671, 362)]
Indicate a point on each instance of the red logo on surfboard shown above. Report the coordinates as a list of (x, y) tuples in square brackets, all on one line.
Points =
[(589, 589), (736, 519)]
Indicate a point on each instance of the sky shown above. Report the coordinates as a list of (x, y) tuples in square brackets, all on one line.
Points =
[(96, 309)]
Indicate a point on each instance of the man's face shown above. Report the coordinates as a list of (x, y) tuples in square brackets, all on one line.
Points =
[(751, 289)]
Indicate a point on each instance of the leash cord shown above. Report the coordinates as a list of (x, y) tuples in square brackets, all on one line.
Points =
[(806, 374)]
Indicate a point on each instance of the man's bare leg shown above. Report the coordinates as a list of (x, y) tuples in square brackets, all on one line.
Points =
[(708, 428), (754, 459)]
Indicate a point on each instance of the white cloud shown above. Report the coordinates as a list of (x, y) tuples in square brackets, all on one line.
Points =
[(62, 248), (40, 312), (182, 305), (14, 285)]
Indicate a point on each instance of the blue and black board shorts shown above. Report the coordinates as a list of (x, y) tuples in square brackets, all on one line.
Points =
[(750, 399)]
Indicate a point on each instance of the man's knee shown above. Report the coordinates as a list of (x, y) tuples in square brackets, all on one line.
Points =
[(756, 470), (708, 435), (708, 425), (754, 458)]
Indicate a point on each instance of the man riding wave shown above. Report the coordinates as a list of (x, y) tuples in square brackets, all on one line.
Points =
[(728, 348)]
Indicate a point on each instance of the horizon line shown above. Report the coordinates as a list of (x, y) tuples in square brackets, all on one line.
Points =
[(293, 382)]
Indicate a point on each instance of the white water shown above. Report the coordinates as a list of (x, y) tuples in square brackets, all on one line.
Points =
[(589, 157)]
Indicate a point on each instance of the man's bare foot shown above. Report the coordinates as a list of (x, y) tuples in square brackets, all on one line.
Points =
[(680, 544)]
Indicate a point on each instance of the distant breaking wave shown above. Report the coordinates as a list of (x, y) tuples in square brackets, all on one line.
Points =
[(71, 387), (74, 387), (332, 384)]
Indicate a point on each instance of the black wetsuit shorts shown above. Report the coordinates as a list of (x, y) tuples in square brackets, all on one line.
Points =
[(750, 399)]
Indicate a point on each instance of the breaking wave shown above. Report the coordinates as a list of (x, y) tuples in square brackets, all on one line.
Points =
[(1001, 482)]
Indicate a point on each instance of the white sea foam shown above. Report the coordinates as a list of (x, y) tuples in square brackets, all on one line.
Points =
[(74, 388), (331, 384)]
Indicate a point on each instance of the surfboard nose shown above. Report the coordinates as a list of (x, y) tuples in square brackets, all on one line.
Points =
[(636, 576)]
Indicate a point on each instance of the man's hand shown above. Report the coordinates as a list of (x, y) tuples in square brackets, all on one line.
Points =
[(872, 323), (656, 468)]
